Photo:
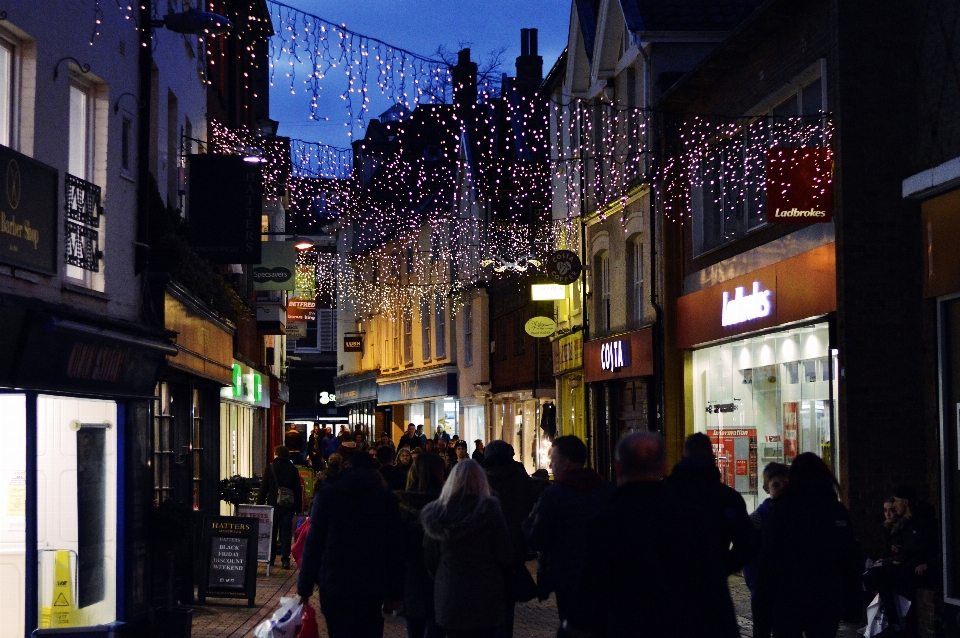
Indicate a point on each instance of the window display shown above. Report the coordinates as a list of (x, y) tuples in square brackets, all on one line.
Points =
[(766, 398), (13, 512)]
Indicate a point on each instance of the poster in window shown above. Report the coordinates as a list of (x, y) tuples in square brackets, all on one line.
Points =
[(91, 514), (736, 452), (790, 431)]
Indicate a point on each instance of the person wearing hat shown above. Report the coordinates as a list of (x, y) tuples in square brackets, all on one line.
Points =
[(912, 558)]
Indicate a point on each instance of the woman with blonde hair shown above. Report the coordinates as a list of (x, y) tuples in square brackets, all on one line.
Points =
[(468, 550)]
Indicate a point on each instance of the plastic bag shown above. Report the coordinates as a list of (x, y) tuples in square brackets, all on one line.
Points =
[(297, 549), (877, 618), (285, 622), (310, 628)]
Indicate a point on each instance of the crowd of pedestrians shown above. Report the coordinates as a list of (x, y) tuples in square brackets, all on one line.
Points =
[(647, 556)]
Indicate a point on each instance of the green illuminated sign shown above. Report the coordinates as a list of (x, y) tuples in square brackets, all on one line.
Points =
[(237, 381)]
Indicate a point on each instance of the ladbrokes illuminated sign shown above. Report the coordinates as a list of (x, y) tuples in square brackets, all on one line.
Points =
[(743, 307)]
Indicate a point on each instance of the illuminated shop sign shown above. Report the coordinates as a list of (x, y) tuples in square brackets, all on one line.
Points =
[(614, 355), (743, 307), (246, 387)]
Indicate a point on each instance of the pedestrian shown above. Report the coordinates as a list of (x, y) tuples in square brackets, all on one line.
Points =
[(429, 447), (468, 550), (913, 552), (281, 489), (775, 477), (386, 440), (409, 439), (441, 434), (557, 527), (448, 455), (353, 512), (315, 447), (330, 444), (513, 487), (344, 434), (334, 465), (415, 452), (404, 460), (395, 477), (360, 440), (460, 452), (421, 436), (810, 564), (696, 480), (293, 441), (423, 486), (649, 565), (477, 451)]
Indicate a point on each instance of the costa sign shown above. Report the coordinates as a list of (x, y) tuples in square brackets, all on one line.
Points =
[(615, 355)]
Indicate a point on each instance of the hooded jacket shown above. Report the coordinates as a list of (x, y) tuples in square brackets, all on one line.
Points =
[(468, 551), (352, 512), (558, 526)]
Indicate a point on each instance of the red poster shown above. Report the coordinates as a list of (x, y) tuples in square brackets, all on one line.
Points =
[(736, 461), (799, 185), (790, 432)]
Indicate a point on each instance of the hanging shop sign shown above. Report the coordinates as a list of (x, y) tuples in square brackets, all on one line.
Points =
[(277, 268), (439, 385), (301, 309), (353, 343), (356, 388), (799, 185), (624, 356), (568, 353), (230, 558), (28, 213), (296, 329), (564, 267), (795, 289), (540, 326), (224, 199)]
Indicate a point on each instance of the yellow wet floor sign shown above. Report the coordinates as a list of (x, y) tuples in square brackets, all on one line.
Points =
[(61, 612)]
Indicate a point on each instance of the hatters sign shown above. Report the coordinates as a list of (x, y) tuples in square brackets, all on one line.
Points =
[(799, 185)]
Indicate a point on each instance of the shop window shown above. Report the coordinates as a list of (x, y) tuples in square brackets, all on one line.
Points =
[(468, 333), (196, 449), (765, 399), (13, 512), (440, 313), (163, 432), (85, 222), (426, 322)]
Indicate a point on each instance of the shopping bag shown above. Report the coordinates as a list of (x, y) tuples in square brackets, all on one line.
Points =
[(310, 628), (285, 622), (878, 619), (297, 549)]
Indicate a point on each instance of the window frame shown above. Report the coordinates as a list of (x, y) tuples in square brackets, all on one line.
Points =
[(636, 280), (13, 87), (440, 327), (468, 334), (426, 328)]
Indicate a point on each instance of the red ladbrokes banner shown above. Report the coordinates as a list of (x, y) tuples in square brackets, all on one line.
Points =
[(799, 185)]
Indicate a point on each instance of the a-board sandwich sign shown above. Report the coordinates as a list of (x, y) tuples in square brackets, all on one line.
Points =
[(230, 558)]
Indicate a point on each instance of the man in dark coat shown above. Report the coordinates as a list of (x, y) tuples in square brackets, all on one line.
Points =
[(281, 474), (558, 526), (393, 476), (329, 444), (696, 480), (315, 447), (649, 567), (514, 487), (353, 511), (411, 439)]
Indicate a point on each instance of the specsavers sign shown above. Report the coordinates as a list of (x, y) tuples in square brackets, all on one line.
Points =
[(277, 267)]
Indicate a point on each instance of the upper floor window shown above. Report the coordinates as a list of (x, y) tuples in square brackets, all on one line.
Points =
[(602, 284), (7, 92), (426, 322), (728, 192), (468, 334), (440, 313), (407, 338), (635, 281), (85, 228)]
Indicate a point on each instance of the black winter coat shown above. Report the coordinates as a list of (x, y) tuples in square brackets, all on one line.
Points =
[(696, 480), (918, 538), (651, 571), (558, 526), (810, 563), (281, 473), (467, 548), (418, 583), (513, 487), (353, 511), (395, 477)]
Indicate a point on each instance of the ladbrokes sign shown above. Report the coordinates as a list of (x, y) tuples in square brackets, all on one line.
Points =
[(799, 185)]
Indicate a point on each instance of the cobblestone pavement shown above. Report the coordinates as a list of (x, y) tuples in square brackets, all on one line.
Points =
[(228, 618)]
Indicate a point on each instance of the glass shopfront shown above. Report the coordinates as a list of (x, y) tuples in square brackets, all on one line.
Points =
[(767, 398)]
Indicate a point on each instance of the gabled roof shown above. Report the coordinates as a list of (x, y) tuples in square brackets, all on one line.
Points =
[(686, 15), (587, 12)]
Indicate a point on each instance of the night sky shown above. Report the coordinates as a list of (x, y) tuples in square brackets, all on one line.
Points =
[(419, 26)]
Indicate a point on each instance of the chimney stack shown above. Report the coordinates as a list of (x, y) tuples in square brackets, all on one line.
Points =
[(464, 83), (529, 64)]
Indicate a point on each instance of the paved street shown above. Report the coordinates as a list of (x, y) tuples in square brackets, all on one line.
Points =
[(225, 618)]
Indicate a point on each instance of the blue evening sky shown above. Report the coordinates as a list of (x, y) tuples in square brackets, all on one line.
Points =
[(419, 26)]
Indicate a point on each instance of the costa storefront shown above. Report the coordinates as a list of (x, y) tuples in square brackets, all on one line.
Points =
[(617, 370), (761, 366)]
